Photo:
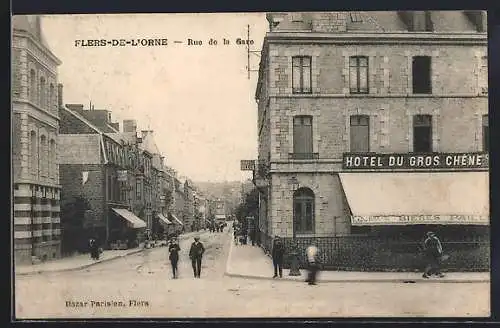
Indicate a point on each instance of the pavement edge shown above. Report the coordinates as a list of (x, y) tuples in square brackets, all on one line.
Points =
[(81, 267), (371, 280)]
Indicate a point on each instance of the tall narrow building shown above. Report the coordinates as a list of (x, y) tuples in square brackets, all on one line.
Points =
[(35, 124)]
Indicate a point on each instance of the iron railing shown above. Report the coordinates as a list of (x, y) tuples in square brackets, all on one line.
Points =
[(375, 253)]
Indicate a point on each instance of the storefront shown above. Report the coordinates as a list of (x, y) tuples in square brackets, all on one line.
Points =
[(178, 225), (164, 228), (399, 197), (126, 229)]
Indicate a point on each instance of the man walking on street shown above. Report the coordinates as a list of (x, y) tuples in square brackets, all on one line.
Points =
[(433, 253), (195, 254), (173, 250), (277, 254), (313, 264)]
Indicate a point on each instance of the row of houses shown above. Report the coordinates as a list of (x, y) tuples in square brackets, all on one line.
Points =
[(76, 174)]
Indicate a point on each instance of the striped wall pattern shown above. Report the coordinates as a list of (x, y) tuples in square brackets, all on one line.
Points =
[(37, 222)]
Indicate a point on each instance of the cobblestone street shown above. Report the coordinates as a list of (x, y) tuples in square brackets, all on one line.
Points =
[(142, 282)]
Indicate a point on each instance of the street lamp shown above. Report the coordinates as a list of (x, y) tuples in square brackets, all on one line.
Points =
[(294, 265)]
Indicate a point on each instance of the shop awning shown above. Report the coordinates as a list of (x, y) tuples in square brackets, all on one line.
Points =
[(176, 219), (163, 218), (405, 198), (133, 220)]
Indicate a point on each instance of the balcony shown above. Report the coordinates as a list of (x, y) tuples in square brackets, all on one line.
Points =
[(303, 156)]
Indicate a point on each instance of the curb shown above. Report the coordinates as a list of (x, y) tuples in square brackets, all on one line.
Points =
[(81, 267), (368, 280), (395, 280)]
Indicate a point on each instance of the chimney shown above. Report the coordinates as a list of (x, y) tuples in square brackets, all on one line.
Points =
[(130, 126), (116, 125), (59, 95)]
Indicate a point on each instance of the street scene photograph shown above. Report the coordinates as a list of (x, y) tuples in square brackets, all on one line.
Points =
[(250, 165)]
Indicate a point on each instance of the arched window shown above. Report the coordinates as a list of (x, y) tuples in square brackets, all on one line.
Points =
[(43, 93), (303, 211), (32, 90), (43, 156), (52, 100), (33, 153), (52, 159)]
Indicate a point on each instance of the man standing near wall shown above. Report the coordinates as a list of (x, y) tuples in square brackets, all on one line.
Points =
[(433, 253)]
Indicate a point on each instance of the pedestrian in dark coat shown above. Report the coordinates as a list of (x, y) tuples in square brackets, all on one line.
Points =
[(433, 253), (195, 254), (173, 250), (94, 249), (278, 253)]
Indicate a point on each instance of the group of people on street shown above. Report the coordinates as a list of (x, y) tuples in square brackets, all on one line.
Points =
[(217, 226), (195, 255), (313, 263), (432, 248)]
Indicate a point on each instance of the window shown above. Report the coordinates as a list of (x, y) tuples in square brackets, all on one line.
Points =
[(303, 211), (43, 94), (110, 187), (421, 69), (301, 74), (302, 137), (360, 133), (422, 21), (32, 90), (486, 134), (422, 133), (43, 156), (296, 17), (358, 74), (52, 100), (52, 159), (138, 189), (34, 153), (483, 76), (356, 17)]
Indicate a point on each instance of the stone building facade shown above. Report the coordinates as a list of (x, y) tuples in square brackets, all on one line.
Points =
[(102, 173), (360, 82), (35, 124)]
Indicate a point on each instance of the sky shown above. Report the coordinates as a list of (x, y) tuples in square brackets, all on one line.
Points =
[(197, 99)]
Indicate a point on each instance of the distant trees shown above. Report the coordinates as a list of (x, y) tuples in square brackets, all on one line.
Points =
[(250, 205)]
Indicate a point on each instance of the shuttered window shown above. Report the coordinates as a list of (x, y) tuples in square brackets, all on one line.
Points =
[(486, 134), (422, 133), (302, 137), (360, 133)]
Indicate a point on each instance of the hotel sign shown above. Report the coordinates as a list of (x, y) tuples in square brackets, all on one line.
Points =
[(374, 220), (368, 161)]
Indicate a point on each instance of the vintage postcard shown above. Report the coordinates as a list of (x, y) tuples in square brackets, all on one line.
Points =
[(235, 165)]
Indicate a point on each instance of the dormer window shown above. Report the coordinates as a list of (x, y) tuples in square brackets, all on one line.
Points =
[(296, 17), (356, 17)]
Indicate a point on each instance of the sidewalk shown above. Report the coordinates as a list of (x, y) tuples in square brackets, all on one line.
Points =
[(245, 261), (81, 261)]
